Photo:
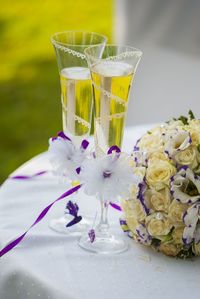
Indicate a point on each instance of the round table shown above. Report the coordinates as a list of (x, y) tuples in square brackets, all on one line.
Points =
[(49, 265)]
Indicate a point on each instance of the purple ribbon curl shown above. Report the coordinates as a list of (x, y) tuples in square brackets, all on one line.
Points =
[(14, 243), (26, 177)]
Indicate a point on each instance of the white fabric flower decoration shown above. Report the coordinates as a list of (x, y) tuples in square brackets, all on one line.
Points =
[(177, 141), (107, 177), (65, 157), (180, 183)]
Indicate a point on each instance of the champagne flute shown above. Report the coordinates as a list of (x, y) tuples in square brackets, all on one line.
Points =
[(76, 96), (112, 71)]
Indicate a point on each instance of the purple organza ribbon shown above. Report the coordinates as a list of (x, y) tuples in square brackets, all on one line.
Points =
[(115, 206), (26, 177), (14, 243)]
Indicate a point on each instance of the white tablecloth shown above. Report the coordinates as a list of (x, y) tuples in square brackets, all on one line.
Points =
[(50, 265)]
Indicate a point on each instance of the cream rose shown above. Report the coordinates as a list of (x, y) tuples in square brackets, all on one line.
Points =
[(175, 125), (194, 129), (129, 215), (133, 209), (158, 156), (159, 173), (176, 211), (187, 157), (177, 234), (169, 249), (139, 172), (196, 249), (158, 201), (195, 135), (152, 141), (133, 192), (158, 224)]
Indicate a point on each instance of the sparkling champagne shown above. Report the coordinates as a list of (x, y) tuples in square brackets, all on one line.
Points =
[(112, 81), (76, 95)]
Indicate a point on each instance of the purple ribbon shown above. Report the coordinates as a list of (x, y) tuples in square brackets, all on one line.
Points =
[(14, 243), (113, 148), (115, 206), (25, 177), (62, 135), (91, 235), (84, 144)]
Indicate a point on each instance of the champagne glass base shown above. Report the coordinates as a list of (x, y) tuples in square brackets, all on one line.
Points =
[(59, 225), (110, 244)]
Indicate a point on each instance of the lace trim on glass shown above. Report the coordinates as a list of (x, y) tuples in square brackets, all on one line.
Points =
[(77, 118), (110, 95)]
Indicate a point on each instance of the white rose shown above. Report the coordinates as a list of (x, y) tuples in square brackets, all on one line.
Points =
[(139, 172), (194, 129), (176, 211), (152, 141), (158, 224), (187, 157), (177, 125), (159, 173), (158, 201), (158, 156)]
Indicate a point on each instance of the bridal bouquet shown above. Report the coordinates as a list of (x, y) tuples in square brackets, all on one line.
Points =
[(163, 210)]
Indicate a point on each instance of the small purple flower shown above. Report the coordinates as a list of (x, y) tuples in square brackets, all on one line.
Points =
[(136, 147), (91, 235), (73, 209)]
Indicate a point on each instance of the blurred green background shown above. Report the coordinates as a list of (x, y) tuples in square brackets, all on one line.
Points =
[(29, 82)]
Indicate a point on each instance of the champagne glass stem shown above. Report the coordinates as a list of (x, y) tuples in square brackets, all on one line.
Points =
[(103, 226)]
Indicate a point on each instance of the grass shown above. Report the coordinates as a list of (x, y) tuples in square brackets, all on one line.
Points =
[(29, 82)]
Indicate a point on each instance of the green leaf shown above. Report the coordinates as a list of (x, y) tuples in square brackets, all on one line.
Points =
[(155, 242), (186, 253), (191, 114), (184, 119)]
